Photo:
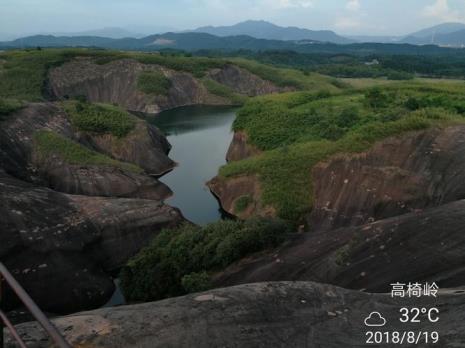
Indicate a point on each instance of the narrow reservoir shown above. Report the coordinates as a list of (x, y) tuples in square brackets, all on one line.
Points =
[(200, 137)]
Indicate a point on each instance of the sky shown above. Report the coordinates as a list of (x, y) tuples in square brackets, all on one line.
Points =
[(346, 17)]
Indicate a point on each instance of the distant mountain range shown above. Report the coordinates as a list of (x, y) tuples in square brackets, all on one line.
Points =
[(200, 41), (447, 34), (270, 31), (260, 36)]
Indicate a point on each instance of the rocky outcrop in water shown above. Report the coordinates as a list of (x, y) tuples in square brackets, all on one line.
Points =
[(63, 248), (420, 246), (116, 82), (143, 146), (397, 175), (297, 314)]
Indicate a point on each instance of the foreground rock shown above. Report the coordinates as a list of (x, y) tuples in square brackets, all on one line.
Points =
[(63, 248), (116, 82), (300, 314), (421, 246)]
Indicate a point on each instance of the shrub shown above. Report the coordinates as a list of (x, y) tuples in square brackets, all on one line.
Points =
[(196, 282), (100, 118), (177, 260), (376, 98), (153, 82)]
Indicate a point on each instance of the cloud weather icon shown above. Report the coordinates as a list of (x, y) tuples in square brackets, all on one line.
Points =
[(375, 319)]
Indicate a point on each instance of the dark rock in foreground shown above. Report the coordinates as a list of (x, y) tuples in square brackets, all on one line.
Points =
[(423, 246), (63, 248), (297, 314)]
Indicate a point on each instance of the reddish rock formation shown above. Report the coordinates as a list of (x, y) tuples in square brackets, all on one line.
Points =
[(230, 191), (240, 148), (398, 175)]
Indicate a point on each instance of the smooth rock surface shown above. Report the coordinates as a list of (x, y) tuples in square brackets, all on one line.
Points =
[(297, 314), (63, 248), (423, 246)]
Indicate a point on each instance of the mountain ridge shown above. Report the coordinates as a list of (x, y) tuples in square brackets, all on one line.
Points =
[(266, 30)]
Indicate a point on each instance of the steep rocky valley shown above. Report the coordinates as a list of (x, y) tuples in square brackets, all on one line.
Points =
[(324, 184)]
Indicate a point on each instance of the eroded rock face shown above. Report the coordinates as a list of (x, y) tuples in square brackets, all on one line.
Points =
[(297, 314), (144, 146), (243, 82), (397, 176), (116, 82), (229, 192), (62, 248), (421, 246), (240, 148)]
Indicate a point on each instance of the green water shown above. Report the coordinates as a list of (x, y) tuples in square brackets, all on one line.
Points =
[(200, 137)]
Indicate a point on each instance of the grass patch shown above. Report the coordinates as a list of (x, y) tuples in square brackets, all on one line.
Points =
[(179, 260), (48, 144), (153, 82), (223, 91), (242, 203), (8, 106), (299, 130), (100, 118)]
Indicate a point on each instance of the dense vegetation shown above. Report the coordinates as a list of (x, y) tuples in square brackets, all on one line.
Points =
[(99, 118), (298, 130), (48, 144), (153, 82), (393, 66), (180, 260)]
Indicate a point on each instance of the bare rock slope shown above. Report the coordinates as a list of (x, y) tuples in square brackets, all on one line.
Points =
[(420, 246), (299, 314), (63, 248), (398, 175)]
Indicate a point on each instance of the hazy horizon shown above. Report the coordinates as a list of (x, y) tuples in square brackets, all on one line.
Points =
[(346, 17)]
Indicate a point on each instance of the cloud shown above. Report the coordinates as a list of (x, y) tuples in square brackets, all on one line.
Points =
[(282, 4), (353, 5), (440, 9), (347, 23)]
